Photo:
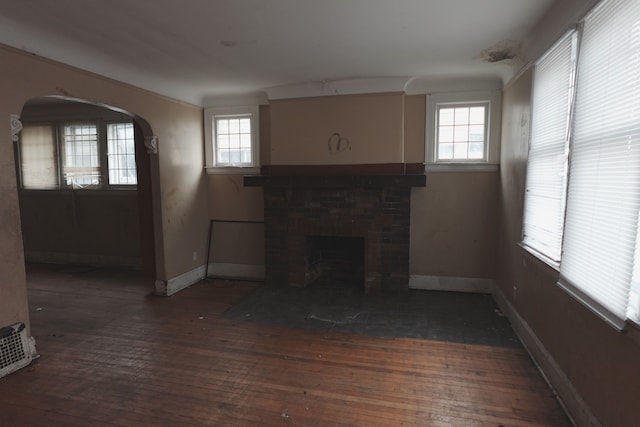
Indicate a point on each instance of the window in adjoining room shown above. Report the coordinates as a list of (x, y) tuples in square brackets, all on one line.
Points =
[(121, 155), (73, 154), (81, 165)]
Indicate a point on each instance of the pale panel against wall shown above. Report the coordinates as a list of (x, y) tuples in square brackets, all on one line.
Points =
[(454, 224), (372, 123)]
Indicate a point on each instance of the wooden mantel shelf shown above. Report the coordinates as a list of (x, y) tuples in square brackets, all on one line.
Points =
[(339, 176)]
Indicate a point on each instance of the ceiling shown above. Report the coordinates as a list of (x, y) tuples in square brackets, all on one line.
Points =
[(197, 50)]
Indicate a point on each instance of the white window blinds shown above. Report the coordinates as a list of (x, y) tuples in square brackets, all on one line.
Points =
[(38, 157), (603, 198), (547, 162)]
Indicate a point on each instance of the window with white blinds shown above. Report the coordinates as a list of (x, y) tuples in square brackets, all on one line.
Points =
[(604, 189), (38, 157), (600, 235), (553, 88)]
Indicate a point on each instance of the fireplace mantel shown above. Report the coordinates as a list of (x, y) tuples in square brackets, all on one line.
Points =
[(340, 176), (335, 181)]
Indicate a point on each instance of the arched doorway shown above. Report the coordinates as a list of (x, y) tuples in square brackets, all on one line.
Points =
[(84, 198)]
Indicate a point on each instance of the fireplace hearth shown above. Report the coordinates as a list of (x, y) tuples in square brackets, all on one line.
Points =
[(337, 202)]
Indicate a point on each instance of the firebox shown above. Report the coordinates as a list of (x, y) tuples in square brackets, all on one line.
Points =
[(334, 261)]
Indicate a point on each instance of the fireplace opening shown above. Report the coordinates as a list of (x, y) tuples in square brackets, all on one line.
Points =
[(334, 261)]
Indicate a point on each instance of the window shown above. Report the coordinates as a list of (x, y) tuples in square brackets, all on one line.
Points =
[(39, 157), (81, 166), (121, 155), (600, 238), (231, 139), (71, 155), (462, 130), (553, 89)]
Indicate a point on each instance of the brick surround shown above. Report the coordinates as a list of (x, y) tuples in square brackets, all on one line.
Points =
[(373, 207)]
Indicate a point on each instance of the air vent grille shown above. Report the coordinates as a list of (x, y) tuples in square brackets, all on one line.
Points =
[(15, 351)]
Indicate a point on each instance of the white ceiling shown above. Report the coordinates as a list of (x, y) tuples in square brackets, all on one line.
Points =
[(196, 50)]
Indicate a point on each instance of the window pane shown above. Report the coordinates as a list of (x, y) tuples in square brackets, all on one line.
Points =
[(121, 156), (445, 134), (245, 125), (476, 115), (234, 156), (460, 151), (38, 159), (446, 116), (245, 141), (476, 150), (234, 141), (445, 151), (223, 141), (462, 115), (234, 125), (476, 133), (223, 126), (81, 166), (461, 134)]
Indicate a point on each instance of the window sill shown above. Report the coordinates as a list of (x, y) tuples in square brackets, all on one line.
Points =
[(232, 170), (461, 167), (548, 262)]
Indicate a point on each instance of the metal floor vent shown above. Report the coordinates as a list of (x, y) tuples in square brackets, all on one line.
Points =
[(16, 349)]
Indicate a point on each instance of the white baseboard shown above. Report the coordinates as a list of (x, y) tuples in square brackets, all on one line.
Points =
[(178, 283), (455, 284), (236, 271), (574, 405), (83, 259)]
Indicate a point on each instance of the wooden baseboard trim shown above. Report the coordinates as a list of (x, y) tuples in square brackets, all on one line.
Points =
[(575, 407)]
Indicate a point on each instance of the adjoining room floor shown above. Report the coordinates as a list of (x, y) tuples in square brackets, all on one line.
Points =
[(114, 354)]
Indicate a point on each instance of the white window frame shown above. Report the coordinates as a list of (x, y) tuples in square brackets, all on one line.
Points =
[(210, 116), (435, 101)]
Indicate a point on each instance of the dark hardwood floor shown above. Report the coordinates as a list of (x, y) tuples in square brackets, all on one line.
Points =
[(113, 354)]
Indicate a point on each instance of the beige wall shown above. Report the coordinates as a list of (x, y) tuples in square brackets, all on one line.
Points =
[(300, 129), (601, 363), (180, 187), (454, 224)]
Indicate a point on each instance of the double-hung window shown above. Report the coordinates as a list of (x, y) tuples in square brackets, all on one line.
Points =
[(600, 237), (231, 138), (83, 154)]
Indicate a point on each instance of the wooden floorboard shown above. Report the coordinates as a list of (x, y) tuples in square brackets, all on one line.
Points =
[(113, 354)]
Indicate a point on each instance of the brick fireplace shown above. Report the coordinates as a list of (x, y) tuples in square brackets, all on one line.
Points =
[(368, 203)]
